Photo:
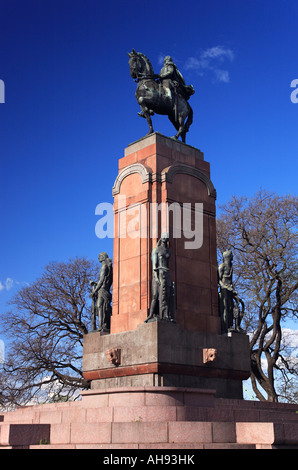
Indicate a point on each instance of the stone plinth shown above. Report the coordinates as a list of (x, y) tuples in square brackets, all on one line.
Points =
[(156, 170), (151, 418), (160, 353), (148, 397)]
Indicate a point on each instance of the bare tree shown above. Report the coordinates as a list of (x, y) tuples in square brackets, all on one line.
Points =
[(262, 233), (45, 326)]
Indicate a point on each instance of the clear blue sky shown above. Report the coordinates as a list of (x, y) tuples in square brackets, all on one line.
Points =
[(70, 110)]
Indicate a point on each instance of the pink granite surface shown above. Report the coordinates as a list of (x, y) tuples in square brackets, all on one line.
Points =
[(151, 417)]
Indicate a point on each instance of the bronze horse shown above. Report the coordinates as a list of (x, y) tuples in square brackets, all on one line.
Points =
[(160, 96)]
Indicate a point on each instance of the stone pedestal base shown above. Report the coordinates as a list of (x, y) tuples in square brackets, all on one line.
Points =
[(151, 418), (147, 397), (159, 354)]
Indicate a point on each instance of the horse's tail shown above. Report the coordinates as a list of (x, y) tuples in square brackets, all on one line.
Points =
[(189, 119)]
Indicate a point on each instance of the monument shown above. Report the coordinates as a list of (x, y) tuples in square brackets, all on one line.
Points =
[(167, 359), (166, 328)]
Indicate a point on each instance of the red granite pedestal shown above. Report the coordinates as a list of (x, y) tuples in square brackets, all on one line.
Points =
[(162, 354), (156, 170), (161, 172)]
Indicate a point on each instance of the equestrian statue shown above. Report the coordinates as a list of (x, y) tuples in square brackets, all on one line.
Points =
[(165, 93)]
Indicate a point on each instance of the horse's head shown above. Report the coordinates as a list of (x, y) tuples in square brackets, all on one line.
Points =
[(139, 64), (134, 64)]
